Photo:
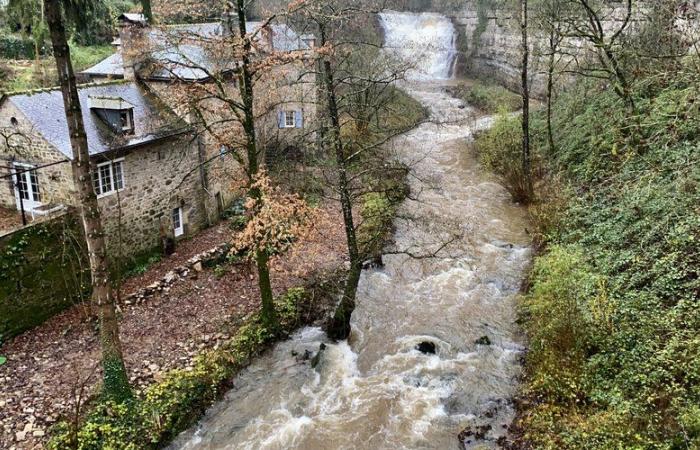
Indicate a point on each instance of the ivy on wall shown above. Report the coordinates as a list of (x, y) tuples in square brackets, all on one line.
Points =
[(43, 270)]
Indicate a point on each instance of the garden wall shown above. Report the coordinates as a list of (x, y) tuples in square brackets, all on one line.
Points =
[(43, 270)]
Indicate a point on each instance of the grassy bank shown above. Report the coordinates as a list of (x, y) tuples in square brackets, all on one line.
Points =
[(612, 310), (22, 75), (487, 97)]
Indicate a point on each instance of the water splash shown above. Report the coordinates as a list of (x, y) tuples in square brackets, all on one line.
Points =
[(428, 42)]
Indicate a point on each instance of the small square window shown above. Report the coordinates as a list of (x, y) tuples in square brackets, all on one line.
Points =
[(108, 177), (289, 119)]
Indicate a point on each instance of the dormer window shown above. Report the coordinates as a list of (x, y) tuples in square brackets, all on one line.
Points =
[(115, 112)]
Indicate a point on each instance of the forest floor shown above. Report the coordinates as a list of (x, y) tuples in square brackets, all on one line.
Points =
[(52, 369)]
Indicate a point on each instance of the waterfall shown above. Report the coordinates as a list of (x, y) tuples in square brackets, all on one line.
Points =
[(426, 41)]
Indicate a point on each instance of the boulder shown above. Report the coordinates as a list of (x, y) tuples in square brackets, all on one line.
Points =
[(483, 340), (427, 347)]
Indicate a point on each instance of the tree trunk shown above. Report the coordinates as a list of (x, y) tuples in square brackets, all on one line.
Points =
[(550, 88), (247, 99), (115, 380), (526, 160), (147, 10), (340, 326)]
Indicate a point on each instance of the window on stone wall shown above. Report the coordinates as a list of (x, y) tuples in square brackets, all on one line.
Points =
[(289, 119), (109, 177)]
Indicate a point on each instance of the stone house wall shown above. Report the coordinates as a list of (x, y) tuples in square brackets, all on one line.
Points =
[(219, 171), (289, 88), (157, 178), (22, 144), (277, 91)]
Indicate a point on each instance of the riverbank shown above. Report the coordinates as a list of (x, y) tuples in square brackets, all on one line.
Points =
[(611, 311), (52, 371)]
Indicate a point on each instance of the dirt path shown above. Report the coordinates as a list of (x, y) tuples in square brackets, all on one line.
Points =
[(48, 365)]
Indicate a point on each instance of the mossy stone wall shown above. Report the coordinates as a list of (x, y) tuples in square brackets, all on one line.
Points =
[(43, 271)]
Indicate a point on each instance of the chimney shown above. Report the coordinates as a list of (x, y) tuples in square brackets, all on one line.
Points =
[(133, 29), (268, 35), (229, 23)]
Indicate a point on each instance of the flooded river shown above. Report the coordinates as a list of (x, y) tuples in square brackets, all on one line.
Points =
[(377, 390)]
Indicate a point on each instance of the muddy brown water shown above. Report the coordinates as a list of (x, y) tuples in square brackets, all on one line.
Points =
[(377, 391)]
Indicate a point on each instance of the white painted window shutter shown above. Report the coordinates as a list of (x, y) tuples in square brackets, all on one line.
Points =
[(299, 115)]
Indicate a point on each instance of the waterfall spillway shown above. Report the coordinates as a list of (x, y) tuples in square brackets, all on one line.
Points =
[(426, 41)]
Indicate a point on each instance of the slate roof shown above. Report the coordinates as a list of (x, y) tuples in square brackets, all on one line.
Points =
[(112, 66), (188, 60), (152, 121), (191, 62)]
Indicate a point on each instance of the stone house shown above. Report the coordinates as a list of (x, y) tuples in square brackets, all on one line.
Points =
[(169, 58), (144, 162), (155, 171)]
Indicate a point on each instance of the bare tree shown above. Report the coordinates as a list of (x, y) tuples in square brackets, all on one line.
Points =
[(356, 85), (525, 90), (596, 24), (549, 15), (231, 105), (115, 379)]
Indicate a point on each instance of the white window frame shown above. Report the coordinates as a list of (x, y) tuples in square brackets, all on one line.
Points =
[(26, 171), (112, 180), (178, 230), (287, 115)]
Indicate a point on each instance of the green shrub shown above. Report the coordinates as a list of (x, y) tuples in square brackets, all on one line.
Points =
[(139, 264), (16, 47), (500, 150), (566, 303), (377, 215)]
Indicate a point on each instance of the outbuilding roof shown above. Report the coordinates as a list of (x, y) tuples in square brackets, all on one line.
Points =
[(112, 67), (178, 54), (152, 120)]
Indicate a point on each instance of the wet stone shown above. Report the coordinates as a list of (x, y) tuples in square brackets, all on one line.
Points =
[(483, 340), (427, 347)]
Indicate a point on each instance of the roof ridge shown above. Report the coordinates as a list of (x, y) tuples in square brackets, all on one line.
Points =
[(56, 88)]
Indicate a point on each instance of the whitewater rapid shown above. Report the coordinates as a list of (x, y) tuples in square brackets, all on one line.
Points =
[(377, 391)]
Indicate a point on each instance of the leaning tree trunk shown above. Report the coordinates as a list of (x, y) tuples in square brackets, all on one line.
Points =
[(116, 383), (262, 259), (340, 325), (526, 159)]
